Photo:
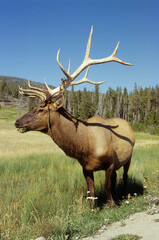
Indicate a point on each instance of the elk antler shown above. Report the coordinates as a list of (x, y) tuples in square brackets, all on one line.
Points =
[(43, 94), (57, 93), (84, 79), (88, 62), (34, 92)]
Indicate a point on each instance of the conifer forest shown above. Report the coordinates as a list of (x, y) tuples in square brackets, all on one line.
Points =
[(139, 107)]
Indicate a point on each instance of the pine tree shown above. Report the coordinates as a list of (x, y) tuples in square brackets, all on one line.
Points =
[(148, 106), (142, 105), (157, 104), (107, 106), (3, 85), (74, 103), (135, 104), (119, 103), (86, 106), (125, 104), (113, 102), (96, 97), (33, 102)]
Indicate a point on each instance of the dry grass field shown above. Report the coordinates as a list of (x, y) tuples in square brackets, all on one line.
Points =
[(14, 143)]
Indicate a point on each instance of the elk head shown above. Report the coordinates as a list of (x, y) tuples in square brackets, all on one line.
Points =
[(52, 99)]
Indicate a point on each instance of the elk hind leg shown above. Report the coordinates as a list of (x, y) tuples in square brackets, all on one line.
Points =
[(113, 183), (110, 180), (125, 175)]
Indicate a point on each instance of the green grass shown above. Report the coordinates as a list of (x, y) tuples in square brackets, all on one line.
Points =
[(126, 237), (43, 192), (9, 113), (37, 194)]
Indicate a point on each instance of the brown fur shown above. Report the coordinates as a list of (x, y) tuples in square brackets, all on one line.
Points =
[(97, 143)]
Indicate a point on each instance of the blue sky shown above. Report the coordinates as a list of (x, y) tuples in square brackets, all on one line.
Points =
[(32, 31)]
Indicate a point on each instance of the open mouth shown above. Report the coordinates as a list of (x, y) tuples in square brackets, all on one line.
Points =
[(22, 129)]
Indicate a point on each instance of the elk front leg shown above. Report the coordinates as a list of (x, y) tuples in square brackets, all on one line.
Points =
[(90, 181), (110, 180)]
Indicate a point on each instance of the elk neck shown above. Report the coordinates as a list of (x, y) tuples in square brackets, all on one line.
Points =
[(69, 133)]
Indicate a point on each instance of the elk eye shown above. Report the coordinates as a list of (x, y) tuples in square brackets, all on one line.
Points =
[(40, 110)]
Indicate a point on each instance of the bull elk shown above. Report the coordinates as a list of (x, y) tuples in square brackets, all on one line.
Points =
[(97, 143)]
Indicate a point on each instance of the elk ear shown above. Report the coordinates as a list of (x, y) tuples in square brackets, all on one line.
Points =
[(44, 103), (59, 102), (53, 106)]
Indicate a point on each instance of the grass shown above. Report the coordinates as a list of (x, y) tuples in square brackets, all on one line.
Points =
[(10, 113), (43, 192), (126, 237)]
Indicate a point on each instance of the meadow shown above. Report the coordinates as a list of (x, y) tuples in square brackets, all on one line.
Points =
[(43, 192)]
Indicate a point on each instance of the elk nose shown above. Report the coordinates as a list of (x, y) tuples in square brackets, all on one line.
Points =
[(16, 123)]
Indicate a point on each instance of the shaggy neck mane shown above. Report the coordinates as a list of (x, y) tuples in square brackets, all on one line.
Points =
[(69, 117)]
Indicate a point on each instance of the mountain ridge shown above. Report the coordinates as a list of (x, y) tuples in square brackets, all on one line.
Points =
[(21, 81)]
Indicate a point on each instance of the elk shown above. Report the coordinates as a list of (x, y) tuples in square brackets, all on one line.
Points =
[(97, 143)]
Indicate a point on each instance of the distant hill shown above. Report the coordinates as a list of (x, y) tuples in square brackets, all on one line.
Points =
[(21, 81), (10, 97)]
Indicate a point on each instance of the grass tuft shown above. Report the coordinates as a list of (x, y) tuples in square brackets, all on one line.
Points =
[(127, 237)]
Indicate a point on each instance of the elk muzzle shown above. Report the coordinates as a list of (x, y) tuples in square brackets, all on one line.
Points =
[(20, 127)]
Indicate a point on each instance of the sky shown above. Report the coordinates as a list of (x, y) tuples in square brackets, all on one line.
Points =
[(32, 31)]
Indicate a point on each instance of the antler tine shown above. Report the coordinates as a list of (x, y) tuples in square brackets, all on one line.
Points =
[(117, 59), (36, 88), (88, 48), (62, 68), (43, 94), (116, 49), (48, 88), (69, 66), (32, 93), (85, 80), (111, 58), (53, 92), (70, 78)]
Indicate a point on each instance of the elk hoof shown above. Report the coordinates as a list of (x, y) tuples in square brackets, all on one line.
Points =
[(111, 204)]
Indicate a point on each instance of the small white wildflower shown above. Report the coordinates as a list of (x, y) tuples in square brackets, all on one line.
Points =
[(129, 196), (92, 198)]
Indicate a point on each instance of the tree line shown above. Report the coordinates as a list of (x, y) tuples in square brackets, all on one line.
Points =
[(7, 90), (139, 107)]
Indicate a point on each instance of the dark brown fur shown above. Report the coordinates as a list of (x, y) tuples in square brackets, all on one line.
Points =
[(97, 143)]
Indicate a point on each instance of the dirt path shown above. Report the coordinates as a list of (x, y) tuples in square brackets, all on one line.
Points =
[(144, 224)]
